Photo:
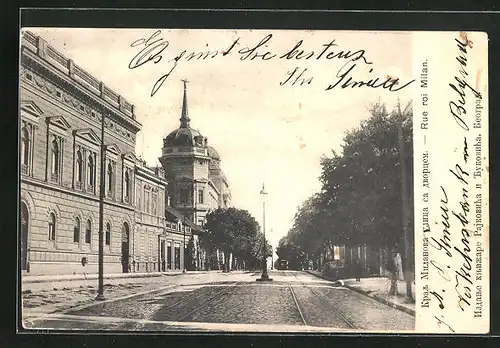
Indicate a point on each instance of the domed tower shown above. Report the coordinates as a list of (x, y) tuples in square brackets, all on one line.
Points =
[(186, 161), (217, 176)]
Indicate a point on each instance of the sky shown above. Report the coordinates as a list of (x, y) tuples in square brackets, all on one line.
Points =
[(264, 132)]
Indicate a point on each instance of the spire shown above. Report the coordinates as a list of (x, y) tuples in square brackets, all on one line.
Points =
[(184, 115)]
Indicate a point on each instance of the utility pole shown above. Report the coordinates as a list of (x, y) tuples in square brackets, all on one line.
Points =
[(405, 207), (100, 291), (265, 275)]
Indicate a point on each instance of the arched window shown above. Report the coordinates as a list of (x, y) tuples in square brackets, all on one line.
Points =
[(88, 232), (108, 234), (127, 185), (79, 166), (76, 231), (55, 157), (25, 146), (110, 177), (91, 170), (52, 226)]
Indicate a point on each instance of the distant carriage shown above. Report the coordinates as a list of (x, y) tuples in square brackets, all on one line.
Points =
[(283, 264)]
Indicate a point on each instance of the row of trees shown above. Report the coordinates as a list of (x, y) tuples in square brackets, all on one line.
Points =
[(364, 199), (234, 232)]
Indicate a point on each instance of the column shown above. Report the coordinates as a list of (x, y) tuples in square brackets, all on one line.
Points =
[(172, 254)]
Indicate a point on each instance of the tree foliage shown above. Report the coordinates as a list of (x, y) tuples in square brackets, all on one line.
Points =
[(360, 201), (234, 231)]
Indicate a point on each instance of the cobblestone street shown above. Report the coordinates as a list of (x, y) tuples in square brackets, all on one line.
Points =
[(293, 301)]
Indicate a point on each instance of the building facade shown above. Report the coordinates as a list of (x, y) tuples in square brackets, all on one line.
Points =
[(151, 214), (196, 182), (61, 109)]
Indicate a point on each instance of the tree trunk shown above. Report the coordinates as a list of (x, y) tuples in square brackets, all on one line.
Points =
[(391, 267), (227, 266)]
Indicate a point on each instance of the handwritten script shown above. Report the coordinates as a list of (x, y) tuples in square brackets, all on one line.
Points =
[(356, 71), (454, 240)]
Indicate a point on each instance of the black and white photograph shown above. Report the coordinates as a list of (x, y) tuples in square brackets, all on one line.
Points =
[(199, 180)]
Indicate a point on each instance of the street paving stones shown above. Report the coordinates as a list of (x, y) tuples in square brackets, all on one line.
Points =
[(294, 301)]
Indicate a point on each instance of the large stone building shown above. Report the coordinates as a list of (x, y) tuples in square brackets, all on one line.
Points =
[(61, 111), (196, 183)]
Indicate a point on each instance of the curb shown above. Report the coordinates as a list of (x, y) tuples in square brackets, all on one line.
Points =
[(70, 278), (336, 282), (375, 297), (381, 300)]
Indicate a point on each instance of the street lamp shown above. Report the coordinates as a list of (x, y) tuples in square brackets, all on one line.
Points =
[(264, 276), (184, 247), (100, 291)]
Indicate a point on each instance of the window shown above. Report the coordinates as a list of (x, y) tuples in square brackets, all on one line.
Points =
[(108, 234), (127, 186), (146, 200), (110, 178), (55, 157), (200, 222), (25, 147), (76, 231), (154, 203), (177, 257), (88, 232), (184, 196), (52, 226), (79, 167), (200, 196), (91, 171)]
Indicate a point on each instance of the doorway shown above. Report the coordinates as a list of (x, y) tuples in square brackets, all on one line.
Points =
[(162, 256), (125, 247), (24, 236)]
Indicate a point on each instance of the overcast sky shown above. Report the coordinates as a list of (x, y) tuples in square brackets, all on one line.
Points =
[(264, 132)]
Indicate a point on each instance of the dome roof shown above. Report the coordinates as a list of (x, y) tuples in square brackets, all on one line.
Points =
[(183, 136), (212, 153)]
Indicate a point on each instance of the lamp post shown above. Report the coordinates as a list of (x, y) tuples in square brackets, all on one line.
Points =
[(264, 276), (184, 247), (102, 181)]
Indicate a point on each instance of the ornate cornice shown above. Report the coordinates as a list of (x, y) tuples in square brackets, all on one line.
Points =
[(58, 85)]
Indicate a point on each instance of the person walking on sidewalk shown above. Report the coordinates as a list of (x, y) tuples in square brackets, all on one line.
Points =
[(358, 270)]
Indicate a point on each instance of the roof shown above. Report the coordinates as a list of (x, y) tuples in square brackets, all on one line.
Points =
[(179, 217)]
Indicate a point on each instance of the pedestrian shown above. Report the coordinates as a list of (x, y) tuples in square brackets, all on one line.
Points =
[(358, 270)]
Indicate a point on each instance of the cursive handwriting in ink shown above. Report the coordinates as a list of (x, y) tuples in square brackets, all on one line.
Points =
[(464, 274), (439, 298), (457, 108), (351, 56), (247, 52), (441, 270), (298, 79), (152, 50), (441, 321), (444, 242), (466, 152), (460, 174), (344, 76)]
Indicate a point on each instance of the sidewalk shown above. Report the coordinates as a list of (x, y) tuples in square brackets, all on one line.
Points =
[(50, 294), (30, 283), (378, 289)]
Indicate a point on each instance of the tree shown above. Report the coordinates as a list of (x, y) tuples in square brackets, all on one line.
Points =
[(361, 197), (232, 231), (191, 255)]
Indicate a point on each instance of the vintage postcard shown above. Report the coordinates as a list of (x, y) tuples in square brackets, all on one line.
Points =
[(301, 181)]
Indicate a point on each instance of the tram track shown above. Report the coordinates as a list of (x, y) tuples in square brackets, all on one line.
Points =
[(322, 297)]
